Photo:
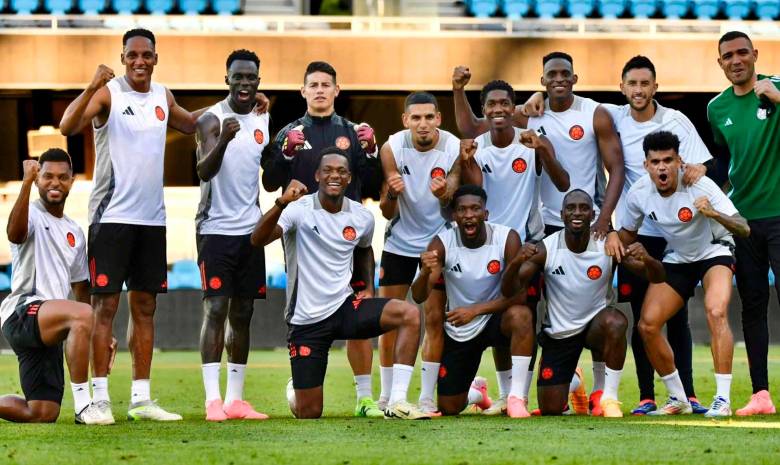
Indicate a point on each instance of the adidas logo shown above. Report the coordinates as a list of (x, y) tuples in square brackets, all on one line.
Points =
[(128, 111), (316, 230), (728, 122), (405, 170), (541, 131), (456, 269), (652, 216), (486, 169), (559, 271)]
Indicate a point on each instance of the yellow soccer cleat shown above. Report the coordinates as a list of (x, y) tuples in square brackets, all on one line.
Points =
[(611, 408)]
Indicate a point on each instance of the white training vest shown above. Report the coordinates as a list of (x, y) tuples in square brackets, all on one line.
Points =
[(419, 215), (512, 185), (129, 157), (578, 286), (472, 276), (229, 202), (576, 148)]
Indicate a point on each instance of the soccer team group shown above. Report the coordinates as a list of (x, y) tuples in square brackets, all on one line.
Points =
[(480, 228)]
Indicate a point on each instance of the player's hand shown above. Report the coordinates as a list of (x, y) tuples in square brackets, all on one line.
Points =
[(111, 354), (293, 142), (600, 228), (364, 294), (461, 76), (461, 316), (262, 104), (439, 187), (103, 74), (527, 251), (30, 169), (395, 184), (468, 147), (230, 127), (766, 87), (295, 190), (638, 252), (705, 207), (614, 246), (692, 172), (429, 262), (534, 106), (366, 136), (530, 139)]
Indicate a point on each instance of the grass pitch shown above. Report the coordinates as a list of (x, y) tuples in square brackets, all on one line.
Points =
[(340, 439)]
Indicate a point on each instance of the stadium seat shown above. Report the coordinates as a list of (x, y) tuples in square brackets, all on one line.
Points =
[(482, 8), (611, 9), (706, 9), (5, 282), (674, 9), (547, 9), (91, 7), (276, 276), (767, 10), (23, 7), (192, 7), (126, 7), (159, 7), (186, 275), (643, 9), (736, 10), (581, 8), (57, 7), (226, 7), (516, 9)]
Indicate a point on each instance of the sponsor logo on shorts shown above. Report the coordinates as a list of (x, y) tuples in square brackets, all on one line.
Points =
[(164, 284), (494, 266), (159, 112), (547, 373), (304, 351), (519, 165), (349, 233), (71, 239), (442, 372), (259, 137), (576, 132), (594, 272), (438, 173), (215, 283), (101, 280), (293, 350), (685, 214), (342, 143)]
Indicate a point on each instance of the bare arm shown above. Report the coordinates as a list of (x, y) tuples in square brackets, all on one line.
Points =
[(267, 228), (212, 143), (545, 158), (735, 223), (639, 262), (93, 103), (180, 119), (364, 268), (393, 184), (17, 220), (612, 155), (522, 268), (431, 263), (470, 173)]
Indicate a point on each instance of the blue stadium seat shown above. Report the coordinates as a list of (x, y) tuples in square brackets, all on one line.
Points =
[(674, 9), (516, 9), (581, 8), (159, 7), (226, 7), (643, 9), (611, 9), (126, 7), (5, 282), (767, 10), (184, 274), (192, 7), (706, 9), (276, 276), (57, 7), (547, 9), (23, 7), (736, 10), (482, 8), (91, 7)]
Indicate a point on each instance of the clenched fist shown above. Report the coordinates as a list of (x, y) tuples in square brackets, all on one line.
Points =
[(429, 262), (395, 184), (468, 147), (530, 139), (460, 77), (103, 74), (30, 169), (230, 127), (295, 190)]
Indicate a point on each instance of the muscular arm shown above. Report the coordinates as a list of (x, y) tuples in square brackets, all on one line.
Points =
[(211, 150), (612, 156), (422, 286), (519, 273), (453, 182), (92, 103), (545, 156), (735, 223), (267, 230), (388, 205), (180, 119), (81, 291), (364, 267), (17, 220)]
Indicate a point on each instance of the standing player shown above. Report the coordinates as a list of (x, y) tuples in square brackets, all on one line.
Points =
[(421, 174), (231, 140), (743, 120), (697, 222), (472, 259), (294, 154), (580, 304), (324, 234), (49, 260)]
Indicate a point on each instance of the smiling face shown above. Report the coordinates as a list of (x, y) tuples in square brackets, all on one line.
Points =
[(663, 167), (738, 60), (498, 109), (422, 120), (559, 78), (139, 59), (577, 213), (333, 175), (320, 91), (243, 78), (470, 215), (54, 181), (639, 87)]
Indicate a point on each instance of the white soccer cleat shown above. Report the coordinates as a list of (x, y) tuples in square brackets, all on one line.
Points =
[(93, 414), (148, 410), (498, 407), (405, 411), (673, 406), (290, 391), (720, 408), (381, 404), (429, 406)]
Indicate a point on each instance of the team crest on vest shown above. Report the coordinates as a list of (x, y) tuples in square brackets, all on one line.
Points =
[(685, 214), (576, 132), (438, 173), (594, 272), (71, 239), (494, 266), (159, 112), (259, 138), (761, 113), (342, 143), (519, 165), (349, 233)]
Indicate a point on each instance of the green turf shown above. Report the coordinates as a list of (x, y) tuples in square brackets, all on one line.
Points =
[(340, 439)]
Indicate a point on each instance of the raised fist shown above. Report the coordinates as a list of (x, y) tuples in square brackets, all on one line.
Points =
[(230, 127), (295, 190), (103, 74), (468, 147), (294, 141), (429, 262), (30, 169), (530, 139), (460, 77), (395, 184)]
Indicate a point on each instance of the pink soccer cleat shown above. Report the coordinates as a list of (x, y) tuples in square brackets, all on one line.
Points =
[(214, 411), (480, 384), (516, 407), (760, 404), (243, 410)]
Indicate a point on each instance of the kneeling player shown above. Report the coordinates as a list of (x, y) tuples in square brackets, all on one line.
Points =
[(472, 258), (580, 303), (323, 233)]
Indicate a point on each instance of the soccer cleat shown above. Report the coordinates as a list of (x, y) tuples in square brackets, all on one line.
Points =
[(214, 410), (645, 406), (367, 408), (405, 411), (610, 408), (94, 415), (149, 410), (243, 410), (578, 398), (290, 392), (516, 407), (498, 408), (697, 408), (720, 408), (480, 384), (381, 404), (594, 402), (760, 404), (429, 406), (673, 406)]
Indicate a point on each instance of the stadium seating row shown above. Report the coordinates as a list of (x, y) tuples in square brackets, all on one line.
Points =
[(155, 7), (670, 9)]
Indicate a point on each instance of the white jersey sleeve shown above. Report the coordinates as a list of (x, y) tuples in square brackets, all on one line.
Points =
[(367, 236), (292, 215), (692, 148), (720, 202), (634, 213), (79, 270)]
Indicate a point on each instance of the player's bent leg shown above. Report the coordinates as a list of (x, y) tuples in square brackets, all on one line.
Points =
[(432, 346), (661, 303), (405, 318), (552, 399), (308, 403), (17, 409), (237, 345), (606, 337), (452, 405)]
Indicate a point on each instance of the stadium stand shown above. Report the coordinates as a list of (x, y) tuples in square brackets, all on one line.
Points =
[(515, 9), (547, 9), (642, 9), (159, 7), (767, 10), (580, 8), (611, 9), (273, 7), (736, 10), (57, 7), (23, 7), (674, 9), (91, 7), (126, 7), (482, 8), (193, 7)]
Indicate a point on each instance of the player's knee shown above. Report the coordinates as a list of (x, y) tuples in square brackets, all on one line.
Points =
[(240, 318), (519, 317), (615, 323), (143, 305), (648, 329), (450, 407), (410, 315), (48, 415), (105, 309), (82, 318), (717, 312), (308, 412)]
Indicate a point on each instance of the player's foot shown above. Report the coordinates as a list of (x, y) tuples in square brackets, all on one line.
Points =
[(381, 404), (516, 407), (480, 384), (610, 408), (214, 410), (595, 403), (290, 392), (429, 406), (94, 415), (673, 406), (149, 410), (760, 404), (367, 408), (243, 410), (720, 408), (579, 398), (696, 406), (537, 412), (405, 411), (498, 408), (645, 406)]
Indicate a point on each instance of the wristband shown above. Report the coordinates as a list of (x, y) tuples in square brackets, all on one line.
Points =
[(279, 204)]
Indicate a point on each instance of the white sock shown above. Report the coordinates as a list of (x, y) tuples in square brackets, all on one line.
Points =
[(402, 375), (574, 384), (529, 377), (386, 381), (139, 391), (598, 376), (428, 377), (363, 386), (234, 390), (80, 395), (100, 389), (674, 385), (723, 385), (519, 373), (211, 380), (504, 382), (611, 383), (475, 396)]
